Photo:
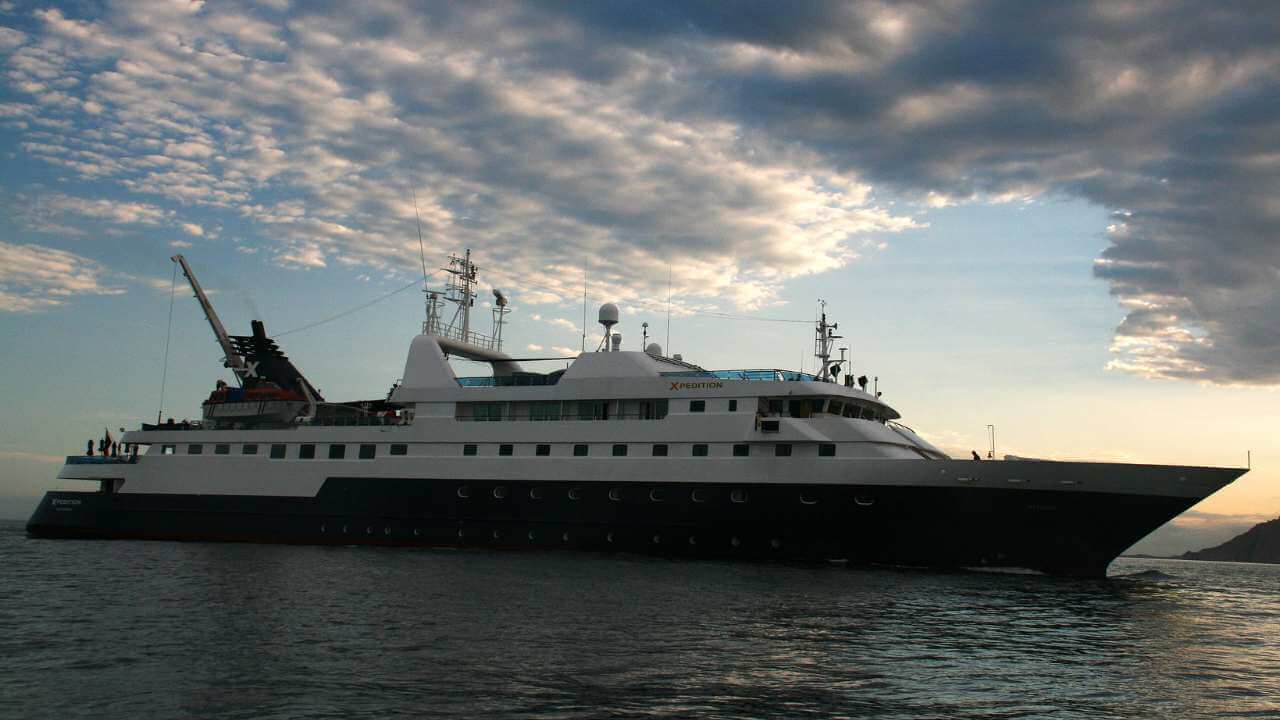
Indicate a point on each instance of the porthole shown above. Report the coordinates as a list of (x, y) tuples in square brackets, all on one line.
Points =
[(698, 496), (532, 535), (500, 493), (806, 499), (655, 495), (464, 492), (535, 493), (368, 530), (416, 532), (615, 494), (693, 540), (497, 534), (738, 496), (386, 531), (734, 541), (461, 534), (864, 500), (565, 537), (575, 494), (657, 539), (344, 529), (321, 528), (608, 537), (775, 543)]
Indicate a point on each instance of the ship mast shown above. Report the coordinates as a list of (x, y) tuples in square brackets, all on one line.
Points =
[(232, 358), (824, 338)]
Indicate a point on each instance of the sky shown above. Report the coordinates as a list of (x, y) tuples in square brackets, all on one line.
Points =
[(1057, 219)]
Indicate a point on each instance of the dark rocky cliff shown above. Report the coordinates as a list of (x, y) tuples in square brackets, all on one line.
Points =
[(1260, 544)]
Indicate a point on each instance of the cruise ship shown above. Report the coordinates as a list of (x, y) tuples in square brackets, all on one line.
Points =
[(619, 451)]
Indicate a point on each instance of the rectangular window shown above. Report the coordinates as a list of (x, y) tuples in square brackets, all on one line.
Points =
[(835, 407), (660, 450), (277, 452), (619, 450), (579, 450), (733, 406), (544, 411), (337, 452), (195, 449), (399, 449), (782, 450), (487, 411), (697, 406), (506, 449), (593, 410), (741, 450), (167, 449), (248, 449), (306, 452), (468, 450), (699, 450), (775, 406), (543, 450), (368, 451), (826, 450), (221, 449)]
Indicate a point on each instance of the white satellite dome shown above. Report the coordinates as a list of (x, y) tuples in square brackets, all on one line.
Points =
[(654, 349), (608, 315)]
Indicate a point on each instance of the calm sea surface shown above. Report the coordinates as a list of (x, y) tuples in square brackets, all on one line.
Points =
[(158, 629)]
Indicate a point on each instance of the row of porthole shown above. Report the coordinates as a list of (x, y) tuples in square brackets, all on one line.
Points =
[(657, 495), (775, 543)]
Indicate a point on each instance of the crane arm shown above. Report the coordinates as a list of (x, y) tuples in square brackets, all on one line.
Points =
[(233, 359)]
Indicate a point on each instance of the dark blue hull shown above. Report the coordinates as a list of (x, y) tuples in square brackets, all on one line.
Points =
[(1067, 533)]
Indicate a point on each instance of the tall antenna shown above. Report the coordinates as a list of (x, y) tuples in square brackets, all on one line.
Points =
[(668, 308), (422, 253), (164, 373), (586, 272)]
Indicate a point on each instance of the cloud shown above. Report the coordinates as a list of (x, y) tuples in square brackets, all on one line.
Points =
[(617, 142), (534, 348), (33, 278), (32, 457), (193, 229), (565, 351)]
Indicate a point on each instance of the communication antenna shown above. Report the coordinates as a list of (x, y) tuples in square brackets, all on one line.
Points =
[(644, 340), (500, 311), (991, 454), (586, 272), (668, 308)]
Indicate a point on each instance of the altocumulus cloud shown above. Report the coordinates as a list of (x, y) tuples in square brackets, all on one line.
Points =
[(33, 277), (740, 144)]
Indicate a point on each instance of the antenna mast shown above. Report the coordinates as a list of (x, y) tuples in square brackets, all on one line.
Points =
[(824, 338)]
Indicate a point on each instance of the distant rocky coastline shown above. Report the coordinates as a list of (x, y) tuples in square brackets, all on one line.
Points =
[(1259, 544)]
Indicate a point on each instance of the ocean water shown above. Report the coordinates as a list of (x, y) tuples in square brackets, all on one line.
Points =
[(158, 629)]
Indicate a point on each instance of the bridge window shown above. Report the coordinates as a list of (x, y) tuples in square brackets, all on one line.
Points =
[(579, 450), (835, 407), (337, 452), (741, 450), (543, 450), (699, 450), (544, 411), (506, 449), (399, 449), (800, 408), (697, 406), (306, 452), (486, 411), (468, 450), (277, 451), (248, 449), (368, 451), (619, 450), (660, 450)]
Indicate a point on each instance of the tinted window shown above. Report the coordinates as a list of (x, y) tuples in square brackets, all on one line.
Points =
[(166, 449), (659, 450), (249, 449), (826, 450), (195, 449), (337, 452), (543, 450), (468, 449), (782, 450), (699, 450), (506, 449), (399, 449), (277, 452), (619, 450), (221, 449), (367, 451), (579, 450), (733, 406), (697, 405), (741, 450), (306, 452)]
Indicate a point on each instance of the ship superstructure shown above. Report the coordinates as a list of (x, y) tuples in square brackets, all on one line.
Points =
[(627, 451)]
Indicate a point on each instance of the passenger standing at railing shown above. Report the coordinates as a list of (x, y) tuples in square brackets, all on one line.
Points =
[(88, 449)]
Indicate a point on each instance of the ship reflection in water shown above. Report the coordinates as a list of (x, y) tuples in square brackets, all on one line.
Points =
[(129, 629)]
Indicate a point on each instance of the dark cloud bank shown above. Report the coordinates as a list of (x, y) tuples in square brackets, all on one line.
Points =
[(641, 128)]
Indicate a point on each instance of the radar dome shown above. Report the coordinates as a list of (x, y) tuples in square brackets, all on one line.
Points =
[(608, 315), (654, 349)]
